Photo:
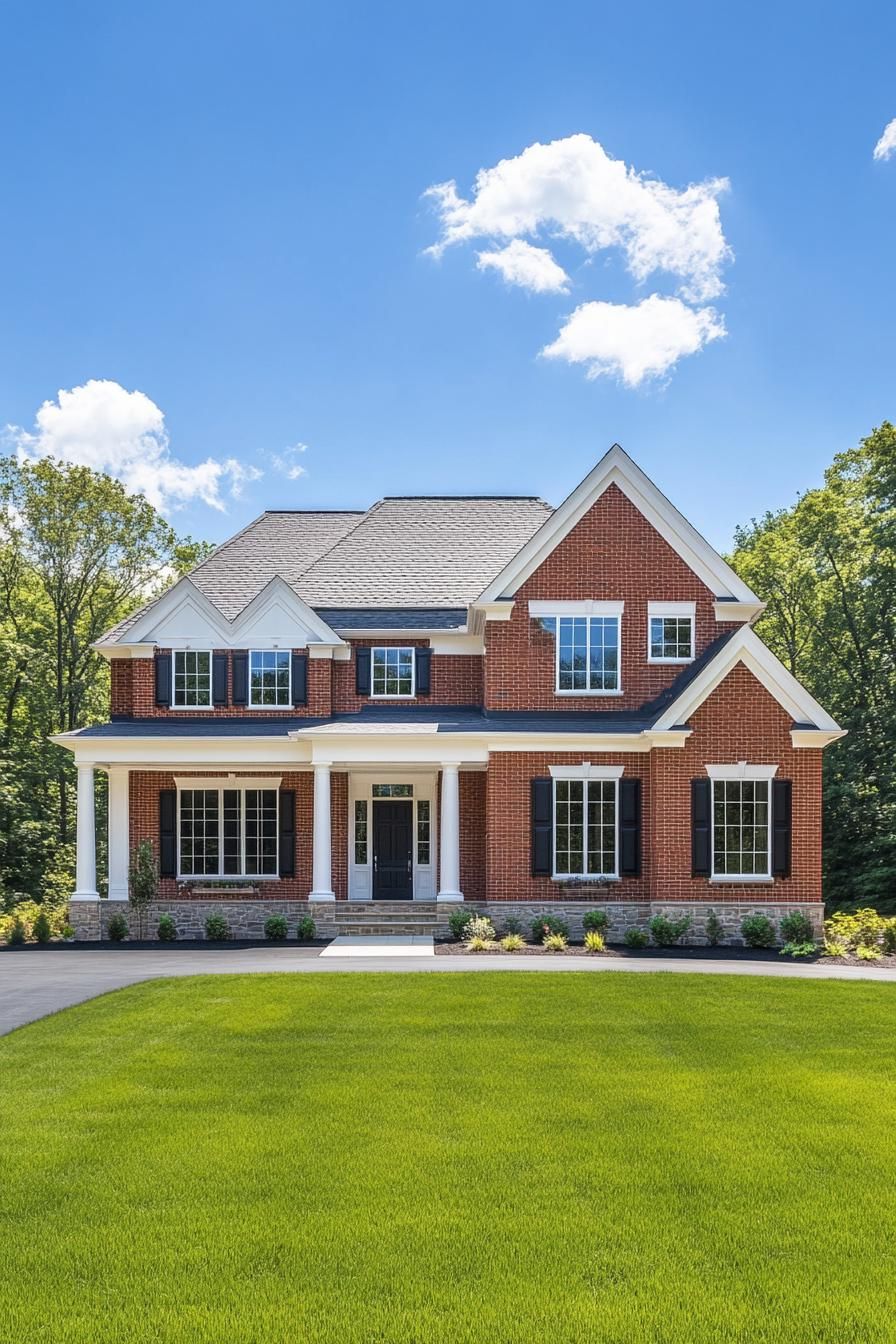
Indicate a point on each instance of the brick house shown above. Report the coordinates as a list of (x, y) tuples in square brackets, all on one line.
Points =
[(457, 699)]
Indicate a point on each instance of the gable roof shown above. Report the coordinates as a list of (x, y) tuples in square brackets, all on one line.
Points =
[(617, 468)]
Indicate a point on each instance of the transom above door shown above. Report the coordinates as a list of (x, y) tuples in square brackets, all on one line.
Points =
[(392, 842)]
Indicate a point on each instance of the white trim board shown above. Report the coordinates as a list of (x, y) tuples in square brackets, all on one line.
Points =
[(617, 468)]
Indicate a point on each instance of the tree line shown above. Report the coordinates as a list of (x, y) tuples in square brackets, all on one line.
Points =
[(78, 554)]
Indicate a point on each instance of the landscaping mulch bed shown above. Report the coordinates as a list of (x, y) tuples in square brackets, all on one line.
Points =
[(664, 953), (156, 945)]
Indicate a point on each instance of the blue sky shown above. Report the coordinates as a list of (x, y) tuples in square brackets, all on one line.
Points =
[(220, 206)]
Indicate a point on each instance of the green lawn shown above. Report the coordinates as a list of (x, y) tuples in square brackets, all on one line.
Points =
[(442, 1158)]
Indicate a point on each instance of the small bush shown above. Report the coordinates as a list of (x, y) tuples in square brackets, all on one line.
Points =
[(118, 929), (217, 930), (514, 925), (833, 948), (555, 942), (67, 932), (797, 928), (799, 950), (889, 936), (636, 938), (306, 929), (480, 927), (594, 941), (457, 923), (276, 929), (512, 942), (667, 932), (167, 930), (547, 924), (478, 944), (41, 931), (865, 952), (758, 931), (597, 921), (714, 931), (863, 928), (16, 935)]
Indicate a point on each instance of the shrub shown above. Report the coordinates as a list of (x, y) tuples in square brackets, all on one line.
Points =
[(594, 941), (512, 942), (865, 952), (67, 932), (804, 949), (478, 944), (832, 948), (636, 938), (547, 924), (118, 929), (457, 923), (667, 932), (514, 925), (758, 931), (714, 931), (597, 921), (555, 942), (306, 929), (217, 930), (862, 928), (167, 930), (41, 931), (16, 935), (889, 936), (797, 928), (480, 927), (276, 929)]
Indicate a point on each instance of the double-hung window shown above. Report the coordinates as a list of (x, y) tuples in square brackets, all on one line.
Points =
[(227, 832), (588, 655), (192, 683), (585, 827), (741, 828), (392, 672), (269, 677), (670, 632)]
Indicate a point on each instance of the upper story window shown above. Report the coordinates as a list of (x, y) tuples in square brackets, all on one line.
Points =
[(670, 632), (269, 678), (192, 679), (588, 655), (392, 672)]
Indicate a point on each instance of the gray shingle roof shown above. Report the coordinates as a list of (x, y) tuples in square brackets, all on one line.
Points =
[(393, 618)]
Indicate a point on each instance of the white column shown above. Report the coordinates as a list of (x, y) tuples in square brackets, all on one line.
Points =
[(85, 861), (321, 878), (119, 843), (449, 836)]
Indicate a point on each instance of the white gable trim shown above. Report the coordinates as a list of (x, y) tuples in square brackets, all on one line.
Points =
[(278, 590), (746, 647), (183, 594), (617, 468)]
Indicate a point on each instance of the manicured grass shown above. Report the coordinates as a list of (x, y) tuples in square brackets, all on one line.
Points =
[(439, 1158)]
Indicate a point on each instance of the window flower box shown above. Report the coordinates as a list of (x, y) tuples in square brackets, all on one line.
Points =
[(217, 890)]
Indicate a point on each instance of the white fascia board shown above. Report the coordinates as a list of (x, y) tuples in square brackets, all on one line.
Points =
[(815, 737), (341, 652), (583, 608), (739, 611), (197, 753), (114, 651), (746, 647), (471, 645), (617, 468)]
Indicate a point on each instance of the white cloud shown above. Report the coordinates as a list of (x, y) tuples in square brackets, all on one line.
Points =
[(287, 462), (634, 342), (531, 268), (886, 145), (572, 188), (103, 426)]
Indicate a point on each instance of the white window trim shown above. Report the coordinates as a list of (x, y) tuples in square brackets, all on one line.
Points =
[(612, 610), (251, 703), (586, 771), (758, 774), (386, 695), (219, 784), (586, 608), (596, 773), (211, 675), (675, 611)]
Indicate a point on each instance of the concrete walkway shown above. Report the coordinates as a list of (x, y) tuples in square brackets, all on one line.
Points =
[(34, 982)]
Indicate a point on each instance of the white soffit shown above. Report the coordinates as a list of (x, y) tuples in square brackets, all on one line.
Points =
[(617, 468)]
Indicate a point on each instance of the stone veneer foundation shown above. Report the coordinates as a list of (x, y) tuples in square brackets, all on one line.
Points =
[(247, 918)]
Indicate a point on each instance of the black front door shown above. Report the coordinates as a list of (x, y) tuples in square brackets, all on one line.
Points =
[(392, 833)]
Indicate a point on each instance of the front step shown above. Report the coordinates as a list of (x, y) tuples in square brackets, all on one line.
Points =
[(373, 930)]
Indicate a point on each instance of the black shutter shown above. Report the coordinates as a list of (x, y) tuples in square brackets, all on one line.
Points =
[(168, 833), (700, 823), (240, 673), (542, 827), (782, 794), (219, 678), (630, 827), (287, 832), (299, 679), (422, 659), (163, 679), (362, 671)]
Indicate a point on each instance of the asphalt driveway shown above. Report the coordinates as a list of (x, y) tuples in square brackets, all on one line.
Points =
[(37, 981)]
